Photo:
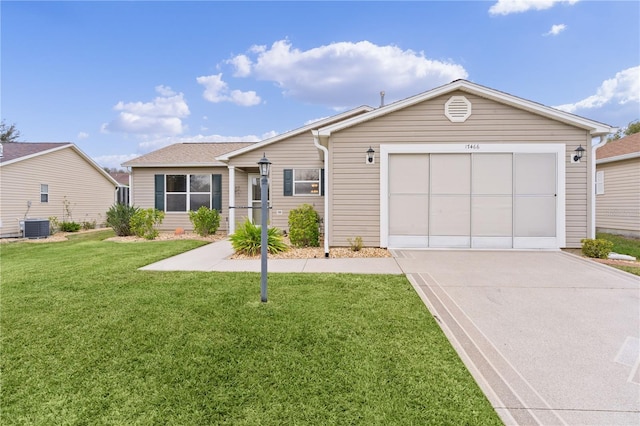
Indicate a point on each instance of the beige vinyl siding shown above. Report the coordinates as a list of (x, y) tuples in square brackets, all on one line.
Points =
[(618, 209), (70, 177), (355, 186), (297, 152), (143, 193)]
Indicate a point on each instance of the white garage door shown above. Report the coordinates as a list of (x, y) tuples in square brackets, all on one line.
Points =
[(473, 200)]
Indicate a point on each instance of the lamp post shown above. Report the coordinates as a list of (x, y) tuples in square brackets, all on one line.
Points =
[(264, 165)]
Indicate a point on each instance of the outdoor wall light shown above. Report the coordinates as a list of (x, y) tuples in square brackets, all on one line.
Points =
[(264, 165), (579, 152), (370, 155)]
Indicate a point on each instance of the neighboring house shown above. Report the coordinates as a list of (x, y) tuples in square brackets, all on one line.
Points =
[(618, 187), (46, 180), (461, 165), (122, 196)]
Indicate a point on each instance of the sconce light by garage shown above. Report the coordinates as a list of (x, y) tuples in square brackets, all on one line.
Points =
[(579, 152), (370, 156)]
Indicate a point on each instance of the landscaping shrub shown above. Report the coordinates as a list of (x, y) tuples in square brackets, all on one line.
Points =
[(355, 244), (597, 248), (89, 224), (54, 225), (69, 226), (247, 239), (144, 221), (119, 218), (205, 221), (303, 227)]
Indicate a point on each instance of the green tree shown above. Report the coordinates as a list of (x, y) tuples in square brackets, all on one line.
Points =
[(9, 133), (632, 128)]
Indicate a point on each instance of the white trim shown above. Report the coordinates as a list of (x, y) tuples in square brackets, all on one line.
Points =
[(594, 127), (325, 151), (231, 226), (628, 156), (555, 148)]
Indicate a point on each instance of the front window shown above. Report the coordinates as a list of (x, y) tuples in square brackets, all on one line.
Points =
[(44, 193), (306, 182), (193, 191)]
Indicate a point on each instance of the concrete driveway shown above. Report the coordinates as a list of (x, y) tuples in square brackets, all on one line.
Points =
[(551, 338)]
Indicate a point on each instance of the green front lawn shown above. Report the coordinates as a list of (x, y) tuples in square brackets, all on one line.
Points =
[(86, 338), (623, 245)]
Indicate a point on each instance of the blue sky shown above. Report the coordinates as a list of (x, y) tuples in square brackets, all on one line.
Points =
[(121, 79)]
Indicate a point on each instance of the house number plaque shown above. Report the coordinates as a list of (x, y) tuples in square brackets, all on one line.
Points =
[(472, 146)]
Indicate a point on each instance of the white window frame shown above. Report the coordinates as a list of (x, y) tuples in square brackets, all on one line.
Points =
[(600, 182), (44, 190), (318, 181), (187, 193)]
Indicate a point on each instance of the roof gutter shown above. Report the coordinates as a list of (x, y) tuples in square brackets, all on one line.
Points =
[(325, 150)]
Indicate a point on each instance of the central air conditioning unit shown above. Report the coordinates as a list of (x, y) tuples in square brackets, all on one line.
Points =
[(36, 228)]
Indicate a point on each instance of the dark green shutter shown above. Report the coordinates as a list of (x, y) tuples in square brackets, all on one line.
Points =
[(322, 182), (216, 192), (288, 182), (159, 188)]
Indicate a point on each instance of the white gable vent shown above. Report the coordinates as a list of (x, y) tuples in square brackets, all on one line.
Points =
[(457, 109)]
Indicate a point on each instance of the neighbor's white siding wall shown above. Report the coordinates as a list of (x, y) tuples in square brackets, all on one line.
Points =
[(89, 193), (355, 186), (297, 152), (618, 209)]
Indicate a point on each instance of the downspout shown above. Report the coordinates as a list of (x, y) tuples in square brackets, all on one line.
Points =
[(601, 142), (316, 142)]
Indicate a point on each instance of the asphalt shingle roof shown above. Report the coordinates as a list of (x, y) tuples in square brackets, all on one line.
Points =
[(627, 145), (203, 153), (14, 150)]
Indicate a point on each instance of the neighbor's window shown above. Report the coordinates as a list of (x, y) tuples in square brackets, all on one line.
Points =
[(44, 193), (306, 182), (600, 183), (193, 191)]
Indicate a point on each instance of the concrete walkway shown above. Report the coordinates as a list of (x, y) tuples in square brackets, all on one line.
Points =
[(215, 257)]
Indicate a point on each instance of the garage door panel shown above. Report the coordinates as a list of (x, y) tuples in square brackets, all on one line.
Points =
[(492, 216), (492, 174), (535, 174), (408, 214), (410, 173), (450, 174), (535, 216), (450, 216)]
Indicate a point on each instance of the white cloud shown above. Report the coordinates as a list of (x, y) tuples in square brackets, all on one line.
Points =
[(114, 161), (506, 7), (217, 90), (162, 116), (347, 74), (82, 135), (622, 89), (242, 63), (556, 29)]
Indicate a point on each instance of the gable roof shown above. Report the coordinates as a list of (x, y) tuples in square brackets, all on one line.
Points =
[(187, 154), (120, 177), (621, 149), (311, 126), (594, 127), (15, 152)]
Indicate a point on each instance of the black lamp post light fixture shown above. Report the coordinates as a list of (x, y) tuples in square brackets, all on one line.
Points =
[(579, 153), (264, 165), (370, 155)]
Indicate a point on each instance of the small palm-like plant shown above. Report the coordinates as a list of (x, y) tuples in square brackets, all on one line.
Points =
[(247, 239)]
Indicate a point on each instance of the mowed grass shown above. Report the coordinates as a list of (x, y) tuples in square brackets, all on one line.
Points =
[(86, 338), (623, 245)]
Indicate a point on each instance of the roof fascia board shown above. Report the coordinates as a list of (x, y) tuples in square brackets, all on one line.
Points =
[(36, 154), (166, 165), (594, 127), (307, 128), (629, 156)]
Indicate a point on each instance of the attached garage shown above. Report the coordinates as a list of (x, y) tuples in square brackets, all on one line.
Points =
[(472, 196), (460, 166)]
